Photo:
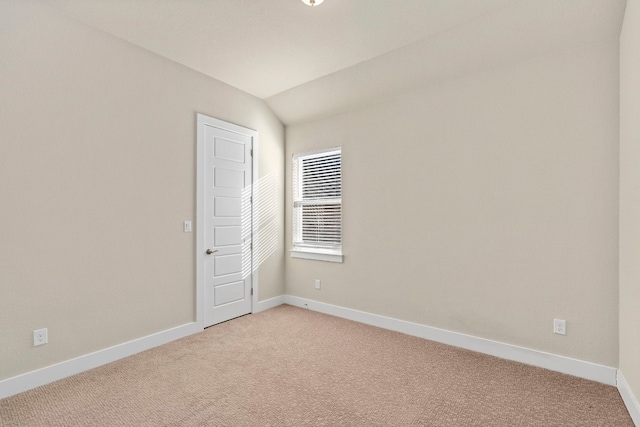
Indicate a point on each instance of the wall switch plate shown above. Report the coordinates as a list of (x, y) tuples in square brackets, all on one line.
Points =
[(317, 283), (560, 326), (187, 226), (40, 337)]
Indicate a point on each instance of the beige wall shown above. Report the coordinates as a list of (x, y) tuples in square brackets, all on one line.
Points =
[(97, 173), (488, 206), (630, 197)]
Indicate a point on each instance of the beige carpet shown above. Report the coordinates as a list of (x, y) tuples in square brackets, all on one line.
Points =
[(293, 367)]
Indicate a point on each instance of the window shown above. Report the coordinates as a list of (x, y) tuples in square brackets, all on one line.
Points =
[(317, 205)]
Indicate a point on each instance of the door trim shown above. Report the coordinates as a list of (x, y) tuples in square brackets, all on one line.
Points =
[(201, 121)]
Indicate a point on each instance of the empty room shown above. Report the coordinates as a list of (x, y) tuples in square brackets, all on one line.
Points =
[(319, 213)]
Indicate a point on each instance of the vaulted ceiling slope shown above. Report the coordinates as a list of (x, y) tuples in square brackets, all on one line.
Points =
[(312, 62)]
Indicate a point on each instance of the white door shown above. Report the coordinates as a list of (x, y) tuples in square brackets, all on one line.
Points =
[(227, 224)]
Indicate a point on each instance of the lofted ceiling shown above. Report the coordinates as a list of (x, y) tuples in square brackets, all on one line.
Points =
[(311, 62)]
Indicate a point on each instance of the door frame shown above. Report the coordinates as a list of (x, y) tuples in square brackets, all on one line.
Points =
[(203, 120)]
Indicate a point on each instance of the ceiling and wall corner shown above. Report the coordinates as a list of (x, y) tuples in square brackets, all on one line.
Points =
[(314, 62), (508, 35)]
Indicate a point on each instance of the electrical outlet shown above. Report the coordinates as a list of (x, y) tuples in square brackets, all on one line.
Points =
[(40, 337), (317, 283), (560, 326)]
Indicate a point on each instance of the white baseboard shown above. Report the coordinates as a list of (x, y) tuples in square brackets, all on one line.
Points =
[(566, 365), (20, 383), (579, 368), (629, 399), (40, 377), (268, 303)]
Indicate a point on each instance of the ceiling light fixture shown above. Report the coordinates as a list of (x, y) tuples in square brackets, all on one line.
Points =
[(312, 2)]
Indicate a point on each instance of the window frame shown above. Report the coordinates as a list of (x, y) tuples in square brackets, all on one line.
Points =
[(320, 252)]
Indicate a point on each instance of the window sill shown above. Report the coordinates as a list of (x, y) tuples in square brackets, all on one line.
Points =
[(316, 254)]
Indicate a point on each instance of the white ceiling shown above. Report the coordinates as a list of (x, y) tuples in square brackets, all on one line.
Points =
[(310, 62)]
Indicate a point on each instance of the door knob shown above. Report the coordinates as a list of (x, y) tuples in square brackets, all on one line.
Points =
[(209, 251)]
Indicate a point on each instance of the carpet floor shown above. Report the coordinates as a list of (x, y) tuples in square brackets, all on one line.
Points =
[(293, 367)]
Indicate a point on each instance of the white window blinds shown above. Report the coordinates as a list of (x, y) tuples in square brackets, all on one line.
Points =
[(317, 207)]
